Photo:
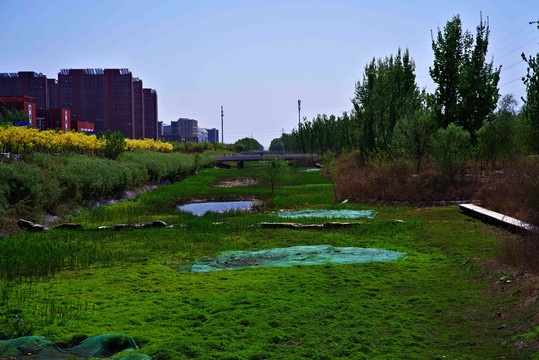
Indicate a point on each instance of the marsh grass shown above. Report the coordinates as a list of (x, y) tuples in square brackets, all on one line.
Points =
[(430, 305)]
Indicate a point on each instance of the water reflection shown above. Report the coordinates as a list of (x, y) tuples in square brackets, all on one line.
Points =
[(200, 209)]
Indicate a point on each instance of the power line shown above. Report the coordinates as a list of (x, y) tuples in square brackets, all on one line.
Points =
[(498, 49), (520, 47), (510, 66), (510, 82)]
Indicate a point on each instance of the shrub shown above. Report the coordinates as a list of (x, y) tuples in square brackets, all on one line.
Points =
[(451, 148), (26, 185), (89, 177), (171, 166)]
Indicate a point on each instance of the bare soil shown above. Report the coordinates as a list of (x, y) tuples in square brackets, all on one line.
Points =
[(237, 182)]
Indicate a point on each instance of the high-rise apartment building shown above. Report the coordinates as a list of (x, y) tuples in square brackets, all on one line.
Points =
[(213, 135), (82, 92), (26, 83), (9, 84), (150, 113), (101, 97), (138, 108), (52, 85), (160, 129), (187, 128)]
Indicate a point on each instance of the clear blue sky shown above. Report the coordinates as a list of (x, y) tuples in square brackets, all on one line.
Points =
[(256, 58)]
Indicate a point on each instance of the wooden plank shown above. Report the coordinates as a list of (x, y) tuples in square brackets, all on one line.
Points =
[(495, 218)]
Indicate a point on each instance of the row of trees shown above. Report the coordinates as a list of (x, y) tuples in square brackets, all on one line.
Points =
[(390, 112)]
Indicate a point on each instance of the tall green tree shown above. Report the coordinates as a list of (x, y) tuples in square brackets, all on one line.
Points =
[(387, 93), (9, 117), (276, 145), (495, 137), (413, 133), (247, 144), (324, 133), (531, 106), (467, 85)]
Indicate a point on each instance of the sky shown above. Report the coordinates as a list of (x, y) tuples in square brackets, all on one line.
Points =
[(254, 58)]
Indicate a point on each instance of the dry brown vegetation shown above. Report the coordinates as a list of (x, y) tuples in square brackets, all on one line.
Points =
[(513, 189)]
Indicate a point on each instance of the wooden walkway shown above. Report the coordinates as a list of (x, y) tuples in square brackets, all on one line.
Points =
[(497, 219)]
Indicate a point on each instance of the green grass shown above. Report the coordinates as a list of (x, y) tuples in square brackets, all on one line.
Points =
[(431, 305)]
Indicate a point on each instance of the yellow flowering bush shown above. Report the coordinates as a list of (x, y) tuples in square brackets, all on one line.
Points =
[(20, 140)]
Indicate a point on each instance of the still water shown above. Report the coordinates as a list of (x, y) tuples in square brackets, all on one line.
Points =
[(200, 209)]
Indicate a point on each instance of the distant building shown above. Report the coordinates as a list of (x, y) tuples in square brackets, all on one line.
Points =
[(167, 130), (160, 130), (26, 83), (52, 85), (202, 135), (56, 119), (138, 108), (150, 113), (178, 138), (101, 97), (213, 135), (21, 103), (185, 127)]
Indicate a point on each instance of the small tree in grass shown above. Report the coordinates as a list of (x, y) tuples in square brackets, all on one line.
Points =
[(275, 167), (413, 133), (451, 149)]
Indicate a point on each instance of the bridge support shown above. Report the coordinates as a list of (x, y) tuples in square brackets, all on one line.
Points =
[(241, 164), (221, 165)]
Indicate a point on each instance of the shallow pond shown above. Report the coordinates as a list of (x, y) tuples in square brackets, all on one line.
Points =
[(200, 209)]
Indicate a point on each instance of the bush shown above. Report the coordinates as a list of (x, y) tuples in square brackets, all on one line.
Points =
[(451, 149), (87, 177), (172, 166), (26, 185)]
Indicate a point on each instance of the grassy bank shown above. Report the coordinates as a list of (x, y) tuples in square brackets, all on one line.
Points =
[(51, 183), (437, 303)]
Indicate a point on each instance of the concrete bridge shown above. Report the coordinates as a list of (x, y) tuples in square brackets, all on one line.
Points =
[(240, 158)]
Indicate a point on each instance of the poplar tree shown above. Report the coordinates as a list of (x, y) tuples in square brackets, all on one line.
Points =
[(531, 106), (467, 86), (387, 93)]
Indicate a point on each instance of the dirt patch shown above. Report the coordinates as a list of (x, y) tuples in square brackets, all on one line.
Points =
[(237, 182)]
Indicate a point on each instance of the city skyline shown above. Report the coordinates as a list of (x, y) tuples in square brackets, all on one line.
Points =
[(254, 58)]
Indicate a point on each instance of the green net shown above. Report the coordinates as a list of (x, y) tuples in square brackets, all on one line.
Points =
[(332, 214), (38, 347), (293, 256)]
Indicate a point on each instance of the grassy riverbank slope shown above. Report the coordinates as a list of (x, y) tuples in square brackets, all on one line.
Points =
[(443, 301)]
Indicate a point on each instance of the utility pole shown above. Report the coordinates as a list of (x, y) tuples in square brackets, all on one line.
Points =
[(299, 112), (222, 132)]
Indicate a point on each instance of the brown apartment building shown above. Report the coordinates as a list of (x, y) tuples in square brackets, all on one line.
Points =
[(150, 113), (26, 83), (102, 97)]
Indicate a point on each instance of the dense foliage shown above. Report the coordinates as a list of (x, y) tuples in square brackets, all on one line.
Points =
[(531, 108), (12, 116), (390, 114), (191, 147), (467, 86), (247, 144), (44, 181), (324, 133), (387, 93)]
